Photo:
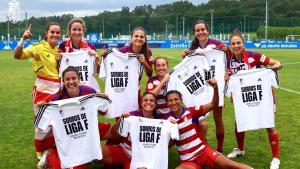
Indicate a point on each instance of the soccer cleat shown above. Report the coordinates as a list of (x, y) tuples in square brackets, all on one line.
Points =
[(43, 161), (235, 153), (275, 163)]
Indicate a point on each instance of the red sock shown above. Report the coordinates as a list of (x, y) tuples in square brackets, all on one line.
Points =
[(240, 136), (220, 140), (274, 143)]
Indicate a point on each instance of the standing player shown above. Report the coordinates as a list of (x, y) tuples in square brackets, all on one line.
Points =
[(76, 28), (45, 67), (202, 41), (70, 89), (240, 59), (157, 84), (139, 46), (193, 152)]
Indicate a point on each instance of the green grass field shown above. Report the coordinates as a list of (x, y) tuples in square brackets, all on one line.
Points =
[(16, 116)]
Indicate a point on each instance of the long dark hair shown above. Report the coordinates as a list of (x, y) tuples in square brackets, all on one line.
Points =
[(145, 49), (195, 43), (48, 27)]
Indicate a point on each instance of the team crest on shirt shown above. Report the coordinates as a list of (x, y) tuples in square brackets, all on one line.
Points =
[(61, 112), (250, 60), (241, 80), (185, 118), (150, 86), (179, 77), (262, 58), (156, 82), (111, 65)]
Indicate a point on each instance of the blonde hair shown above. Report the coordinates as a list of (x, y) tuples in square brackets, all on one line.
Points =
[(79, 20)]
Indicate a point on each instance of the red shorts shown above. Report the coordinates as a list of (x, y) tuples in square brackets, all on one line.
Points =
[(119, 157), (104, 128), (191, 164), (207, 158), (54, 161)]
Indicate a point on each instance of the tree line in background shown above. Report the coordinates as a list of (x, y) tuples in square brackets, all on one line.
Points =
[(176, 19)]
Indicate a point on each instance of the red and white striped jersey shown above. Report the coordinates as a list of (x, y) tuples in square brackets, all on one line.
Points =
[(189, 145), (162, 107)]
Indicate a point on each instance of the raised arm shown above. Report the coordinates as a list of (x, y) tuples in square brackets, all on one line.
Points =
[(18, 53), (215, 100)]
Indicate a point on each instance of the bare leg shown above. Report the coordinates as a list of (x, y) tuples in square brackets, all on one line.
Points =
[(225, 163)]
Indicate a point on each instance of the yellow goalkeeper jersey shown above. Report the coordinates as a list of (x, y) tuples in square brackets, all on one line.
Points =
[(43, 59)]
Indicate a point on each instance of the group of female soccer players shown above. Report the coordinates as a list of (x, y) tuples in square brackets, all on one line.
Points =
[(45, 61)]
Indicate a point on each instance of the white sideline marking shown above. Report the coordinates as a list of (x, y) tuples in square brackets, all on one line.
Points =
[(289, 90), (291, 63), (159, 54)]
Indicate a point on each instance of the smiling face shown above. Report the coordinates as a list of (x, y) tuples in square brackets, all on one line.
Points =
[(148, 103), (174, 103), (138, 38), (201, 32), (53, 35), (71, 82), (76, 32), (236, 46), (161, 67)]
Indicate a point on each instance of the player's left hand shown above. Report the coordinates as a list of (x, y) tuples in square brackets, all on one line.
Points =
[(92, 52), (40, 104), (213, 82), (277, 66), (142, 58), (58, 56), (103, 95)]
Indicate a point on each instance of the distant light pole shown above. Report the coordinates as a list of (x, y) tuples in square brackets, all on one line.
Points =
[(211, 21), (244, 24), (166, 29), (103, 26), (129, 29), (266, 26), (8, 36), (183, 19)]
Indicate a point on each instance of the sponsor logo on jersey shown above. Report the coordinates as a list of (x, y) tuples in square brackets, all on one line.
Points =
[(241, 80), (262, 58), (150, 86), (61, 112)]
